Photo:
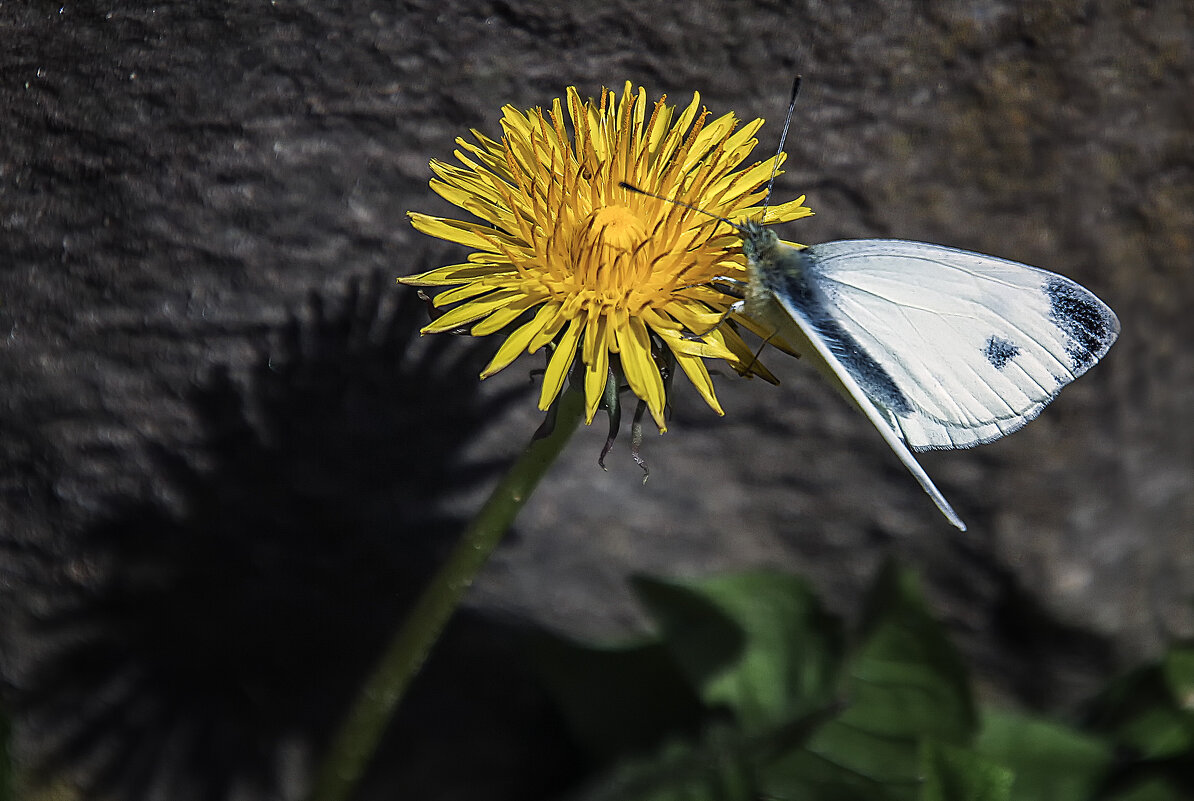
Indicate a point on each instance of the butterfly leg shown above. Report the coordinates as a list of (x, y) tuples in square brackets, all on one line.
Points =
[(735, 308)]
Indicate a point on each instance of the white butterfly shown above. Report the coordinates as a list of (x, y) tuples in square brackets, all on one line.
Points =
[(939, 348)]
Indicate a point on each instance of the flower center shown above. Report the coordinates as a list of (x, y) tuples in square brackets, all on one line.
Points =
[(612, 229)]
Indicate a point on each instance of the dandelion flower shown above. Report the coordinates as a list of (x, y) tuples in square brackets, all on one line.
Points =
[(589, 268)]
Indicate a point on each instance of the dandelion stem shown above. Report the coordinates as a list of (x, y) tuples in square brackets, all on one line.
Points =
[(355, 743)]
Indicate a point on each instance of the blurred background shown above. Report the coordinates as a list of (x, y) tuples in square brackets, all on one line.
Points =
[(227, 461)]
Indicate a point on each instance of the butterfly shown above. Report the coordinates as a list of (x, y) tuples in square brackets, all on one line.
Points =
[(937, 347)]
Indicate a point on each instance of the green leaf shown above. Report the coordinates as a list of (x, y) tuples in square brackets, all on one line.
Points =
[(675, 773), (958, 774), (1178, 669), (758, 643), (722, 766), (618, 701), (838, 767), (8, 776), (906, 678), (1051, 762), (903, 683), (1155, 789), (1149, 710)]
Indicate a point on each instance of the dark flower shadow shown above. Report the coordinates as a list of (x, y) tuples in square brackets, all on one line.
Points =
[(216, 636)]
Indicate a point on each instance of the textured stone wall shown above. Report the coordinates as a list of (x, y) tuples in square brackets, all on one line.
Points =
[(224, 464)]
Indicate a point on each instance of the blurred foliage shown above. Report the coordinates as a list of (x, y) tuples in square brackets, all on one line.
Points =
[(750, 689), (7, 773)]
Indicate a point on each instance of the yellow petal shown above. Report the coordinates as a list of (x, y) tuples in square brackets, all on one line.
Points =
[(698, 374), (596, 369), (514, 344), (552, 325), (489, 152), (742, 142), (743, 187), (455, 184), (494, 213), (465, 233), (458, 274), (694, 316), (473, 177), (481, 257), (641, 372), (695, 347), (503, 317), (468, 291), (560, 363), (657, 321), (786, 212), (657, 127), (472, 311), (663, 164), (746, 359), (712, 135), (765, 333)]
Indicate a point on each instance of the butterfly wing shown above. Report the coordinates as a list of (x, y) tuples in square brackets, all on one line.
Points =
[(958, 348), (939, 348), (785, 315)]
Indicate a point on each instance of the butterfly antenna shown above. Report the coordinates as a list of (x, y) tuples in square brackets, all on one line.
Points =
[(634, 188), (783, 137)]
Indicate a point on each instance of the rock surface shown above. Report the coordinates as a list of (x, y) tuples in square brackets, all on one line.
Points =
[(180, 179)]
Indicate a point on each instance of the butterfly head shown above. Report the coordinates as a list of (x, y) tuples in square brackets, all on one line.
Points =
[(760, 245)]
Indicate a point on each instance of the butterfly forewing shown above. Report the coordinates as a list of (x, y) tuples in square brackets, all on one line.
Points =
[(960, 348)]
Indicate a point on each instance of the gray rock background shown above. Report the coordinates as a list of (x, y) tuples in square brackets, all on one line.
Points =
[(178, 178)]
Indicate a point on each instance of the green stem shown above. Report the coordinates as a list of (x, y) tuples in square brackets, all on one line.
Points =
[(357, 740)]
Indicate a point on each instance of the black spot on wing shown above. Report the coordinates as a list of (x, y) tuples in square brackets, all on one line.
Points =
[(795, 286), (999, 351), (1083, 318)]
